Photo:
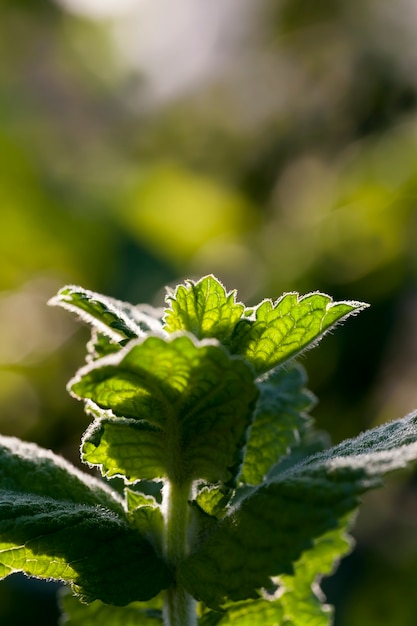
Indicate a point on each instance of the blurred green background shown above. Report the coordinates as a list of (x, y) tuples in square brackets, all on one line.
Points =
[(272, 143)]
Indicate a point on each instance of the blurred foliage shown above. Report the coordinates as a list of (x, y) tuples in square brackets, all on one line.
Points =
[(271, 143)]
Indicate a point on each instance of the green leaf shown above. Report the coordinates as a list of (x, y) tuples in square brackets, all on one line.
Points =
[(213, 500), (90, 547), (298, 600), (57, 522), (300, 595), (147, 318), (105, 314), (137, 499), (100, 345), (270, 528), (145, 515), (203, 308), (278, 332), (279, 419), (247, 613), (27, 468), (99, 614), (129, 448), (185, 404)]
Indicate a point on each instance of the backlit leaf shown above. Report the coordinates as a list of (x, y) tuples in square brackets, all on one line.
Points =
[(191, 404), (279, 331), (100, 345), (129, 448), (213, 500), (203, 308), (105, 314), (146, 516), (279, 419)]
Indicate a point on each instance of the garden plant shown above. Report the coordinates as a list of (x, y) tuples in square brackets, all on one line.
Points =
[(219, 502)]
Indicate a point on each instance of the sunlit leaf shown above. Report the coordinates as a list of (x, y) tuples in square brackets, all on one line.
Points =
[(185, 404), (278, 332), (137, 499), (203, 308), (146, 516), (100, 345), (279, 420), (213, 500), (105, 314), (130, 448)]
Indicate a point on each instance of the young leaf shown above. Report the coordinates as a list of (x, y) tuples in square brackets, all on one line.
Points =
[(100, 345), (203, 308), (99, 614), (278, 332), (146, 516), (272, 526), (130, 448), (279, 419), (90, 547), (213, 500), (145, 316), (105, 314), (190, 404), (147, 319), (136, 500)]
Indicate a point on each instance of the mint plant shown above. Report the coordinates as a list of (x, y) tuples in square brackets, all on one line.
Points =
[(231, 505)]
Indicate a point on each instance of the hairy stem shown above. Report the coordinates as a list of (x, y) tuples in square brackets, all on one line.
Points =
[(179, 606)]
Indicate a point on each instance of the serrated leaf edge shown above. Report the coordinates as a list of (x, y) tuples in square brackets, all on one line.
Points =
[(60, 300), (189, 283), (117, 357)]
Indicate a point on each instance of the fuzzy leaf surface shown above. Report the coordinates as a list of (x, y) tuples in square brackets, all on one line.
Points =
[(99, 614), (28, 469), (90, 547), (203, 308), (191, 403), (106, 314), (270, 529), (280, 331), (57, 522), (280, 418)]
